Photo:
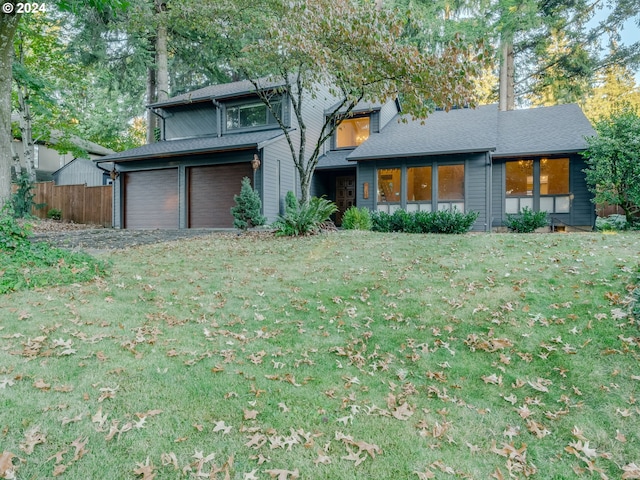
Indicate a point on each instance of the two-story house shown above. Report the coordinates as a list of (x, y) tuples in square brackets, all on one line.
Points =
[(469, 159)]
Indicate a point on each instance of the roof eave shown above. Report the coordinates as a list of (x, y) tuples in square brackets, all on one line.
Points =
[(419, 154), (538, 153)]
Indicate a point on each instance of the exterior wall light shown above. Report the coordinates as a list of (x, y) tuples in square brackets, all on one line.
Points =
[(255, 162)]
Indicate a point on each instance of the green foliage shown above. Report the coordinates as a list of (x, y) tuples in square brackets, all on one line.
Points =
[(304, 218), (444, 221), (54, 214), (25, 265), (612, 223), (355, 218), (12, 234), (22, 200), (527, 221), (613, 162), (246, 212)]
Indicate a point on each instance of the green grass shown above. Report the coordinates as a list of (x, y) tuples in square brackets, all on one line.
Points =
[(39, 265), (427, 351)]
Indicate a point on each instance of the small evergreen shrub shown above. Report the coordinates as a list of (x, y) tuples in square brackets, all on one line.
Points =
[(452, 221), (54, 214), (527, 221), (612, 223), (380, 221), (246, 212), (303, 218), (355, 218)]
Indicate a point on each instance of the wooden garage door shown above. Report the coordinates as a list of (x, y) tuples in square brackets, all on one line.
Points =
[(211, 191), (151, 199)]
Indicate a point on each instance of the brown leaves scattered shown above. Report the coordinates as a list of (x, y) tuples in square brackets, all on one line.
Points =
[(32, 437), (7, 468)]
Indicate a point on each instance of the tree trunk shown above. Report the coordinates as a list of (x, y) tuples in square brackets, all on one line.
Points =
[(8, 26), (26, 131), (158, 76), (151, 97), (507, 80)]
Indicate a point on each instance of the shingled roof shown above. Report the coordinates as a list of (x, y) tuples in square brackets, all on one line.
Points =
[(218, 92), (190, 146), (537, 131)]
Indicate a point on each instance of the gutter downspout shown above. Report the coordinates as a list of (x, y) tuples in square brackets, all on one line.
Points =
[(155, 112), (218, 106)]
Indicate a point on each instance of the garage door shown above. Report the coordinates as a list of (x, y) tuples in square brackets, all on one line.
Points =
[(211, 191), (151, 199)]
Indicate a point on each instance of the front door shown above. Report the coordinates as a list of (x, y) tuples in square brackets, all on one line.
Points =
[(345, 195)]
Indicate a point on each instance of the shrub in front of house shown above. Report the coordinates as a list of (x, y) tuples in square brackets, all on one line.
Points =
[(452, 221), (613, 222), (246, 211), (303, 218), (444, 221), (54, 214), (527, 221), (355, 218)]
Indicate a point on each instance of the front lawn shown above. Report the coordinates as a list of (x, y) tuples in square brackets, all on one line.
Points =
[(344, 356)]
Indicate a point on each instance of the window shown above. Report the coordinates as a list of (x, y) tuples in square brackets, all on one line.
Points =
[(352, 132), (451, 187), (250, 115), (519, 185), (554, 185), (419, 188), (388, 189), (550, 185)]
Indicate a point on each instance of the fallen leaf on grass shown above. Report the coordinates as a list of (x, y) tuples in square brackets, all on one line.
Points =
[(284, 474), (631, 471), (7, 468), (33, 437), (146, 470)]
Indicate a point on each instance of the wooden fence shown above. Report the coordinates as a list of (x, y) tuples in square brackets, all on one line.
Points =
[(78, 203)]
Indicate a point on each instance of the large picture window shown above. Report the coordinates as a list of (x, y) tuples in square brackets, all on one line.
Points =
[(549, 184), (451, 187), (352, 132)]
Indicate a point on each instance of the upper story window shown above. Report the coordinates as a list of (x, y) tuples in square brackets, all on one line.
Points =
[(352, 132), (250, 115)]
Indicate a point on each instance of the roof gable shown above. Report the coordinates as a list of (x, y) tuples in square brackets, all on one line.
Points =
[(542, 131)]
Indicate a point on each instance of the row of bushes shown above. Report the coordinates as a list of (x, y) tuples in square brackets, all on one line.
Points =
[(446, 221)]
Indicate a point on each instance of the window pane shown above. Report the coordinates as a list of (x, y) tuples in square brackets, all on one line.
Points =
[(388, 185), (519, 181), (554, 176), (563, 204), (546, 204), (526, 202), (352, 132), (451, 182), (419, 184), (232, 118), (512, 205), (253, 115)]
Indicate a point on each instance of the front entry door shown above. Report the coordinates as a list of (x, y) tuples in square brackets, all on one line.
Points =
[(345, 195)]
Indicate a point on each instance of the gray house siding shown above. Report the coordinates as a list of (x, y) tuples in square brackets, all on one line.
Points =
[(278, 177), (475, 180), (497, 194), (188, 121), (388, 112)]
